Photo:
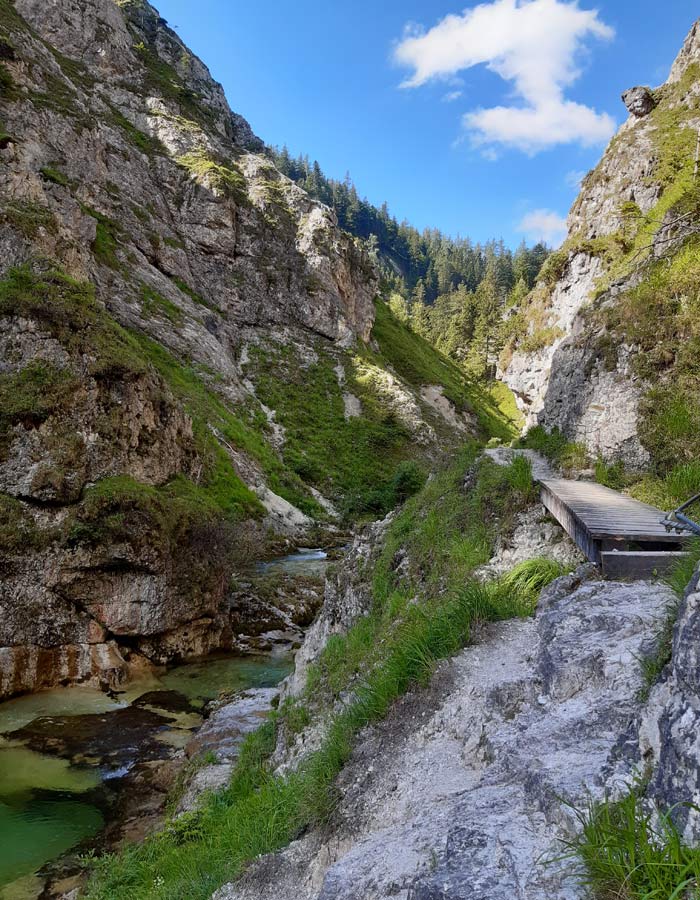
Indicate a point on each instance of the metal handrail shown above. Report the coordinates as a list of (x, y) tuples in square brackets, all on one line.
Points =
[(676, 521)]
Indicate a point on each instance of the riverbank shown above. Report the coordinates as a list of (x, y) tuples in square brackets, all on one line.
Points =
[(83, 771)]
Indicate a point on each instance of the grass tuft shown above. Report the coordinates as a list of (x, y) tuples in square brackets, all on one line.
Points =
[(632, 851)]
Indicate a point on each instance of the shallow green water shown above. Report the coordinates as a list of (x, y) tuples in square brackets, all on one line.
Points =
[(48, 804)]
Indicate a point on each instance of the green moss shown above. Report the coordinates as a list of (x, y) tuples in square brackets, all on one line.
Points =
[(153, 304), (54, 176), (176, 244), (224, 179)]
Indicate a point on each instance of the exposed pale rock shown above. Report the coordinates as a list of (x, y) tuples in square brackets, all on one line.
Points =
[(433, 395), (462, 792)]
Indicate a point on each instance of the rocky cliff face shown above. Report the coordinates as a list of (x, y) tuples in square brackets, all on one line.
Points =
[(156, 271), (571, 367)]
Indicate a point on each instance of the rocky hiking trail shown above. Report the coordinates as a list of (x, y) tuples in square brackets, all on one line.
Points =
[(464, 791)]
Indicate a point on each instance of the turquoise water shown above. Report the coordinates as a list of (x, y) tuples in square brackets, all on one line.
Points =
[(311, 563), (50, 798)]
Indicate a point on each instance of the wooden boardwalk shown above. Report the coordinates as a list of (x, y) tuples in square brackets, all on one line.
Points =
[(626, 538)]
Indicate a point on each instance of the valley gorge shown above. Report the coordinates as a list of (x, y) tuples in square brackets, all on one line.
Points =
[(281, 613)]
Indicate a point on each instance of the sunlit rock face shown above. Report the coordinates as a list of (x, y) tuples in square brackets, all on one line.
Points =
[(122, 165), (576, 379)]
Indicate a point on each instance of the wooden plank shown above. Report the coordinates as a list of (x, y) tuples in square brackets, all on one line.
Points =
[(604, 523), (607, 514), (636, 564)]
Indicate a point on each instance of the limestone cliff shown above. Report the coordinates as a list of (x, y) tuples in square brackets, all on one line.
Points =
[(576, 360), (177, 322)]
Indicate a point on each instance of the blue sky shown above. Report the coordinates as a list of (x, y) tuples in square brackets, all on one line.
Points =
[(326, 77)]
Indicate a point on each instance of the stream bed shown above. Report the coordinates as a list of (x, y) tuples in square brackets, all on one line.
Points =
[(63, 753)]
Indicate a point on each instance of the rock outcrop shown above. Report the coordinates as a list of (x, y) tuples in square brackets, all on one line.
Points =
[(463, 791), (567, 370)]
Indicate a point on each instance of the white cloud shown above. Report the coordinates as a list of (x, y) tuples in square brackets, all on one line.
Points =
[(534, 45), (451, 96), (543, 225)]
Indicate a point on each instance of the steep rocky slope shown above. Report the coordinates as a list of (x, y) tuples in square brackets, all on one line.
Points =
[(188, 366), (609, 328)]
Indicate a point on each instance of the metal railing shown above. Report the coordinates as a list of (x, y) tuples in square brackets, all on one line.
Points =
[(678, 521)]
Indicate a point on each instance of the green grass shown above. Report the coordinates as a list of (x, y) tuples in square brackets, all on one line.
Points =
[(419, 363), (18, 531), (364, 463), (504, 399), (629, 853), (154, 304), (395, 648), (671, 490), (555, 446), (33, 393), (225, 179), (28, 218), (142, 141), (611, 474), (49, 173), (107, 234)]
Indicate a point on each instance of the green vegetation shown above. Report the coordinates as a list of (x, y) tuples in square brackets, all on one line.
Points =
[(225, 179), (611, 474), (8, 91), (153, 303), (106, 238), (17, 528), (32, 394), (143, 142), (162, 80), (28, 218), (70, 311), (213, 423), (631, 850), (54, 175), (394, 648), (185, 288), (354, 461), (668, 492), (553, 444), (122, 509), (418, 362)]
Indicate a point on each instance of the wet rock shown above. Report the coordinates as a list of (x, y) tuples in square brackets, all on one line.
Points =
[(115, 739), (228, 725)]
